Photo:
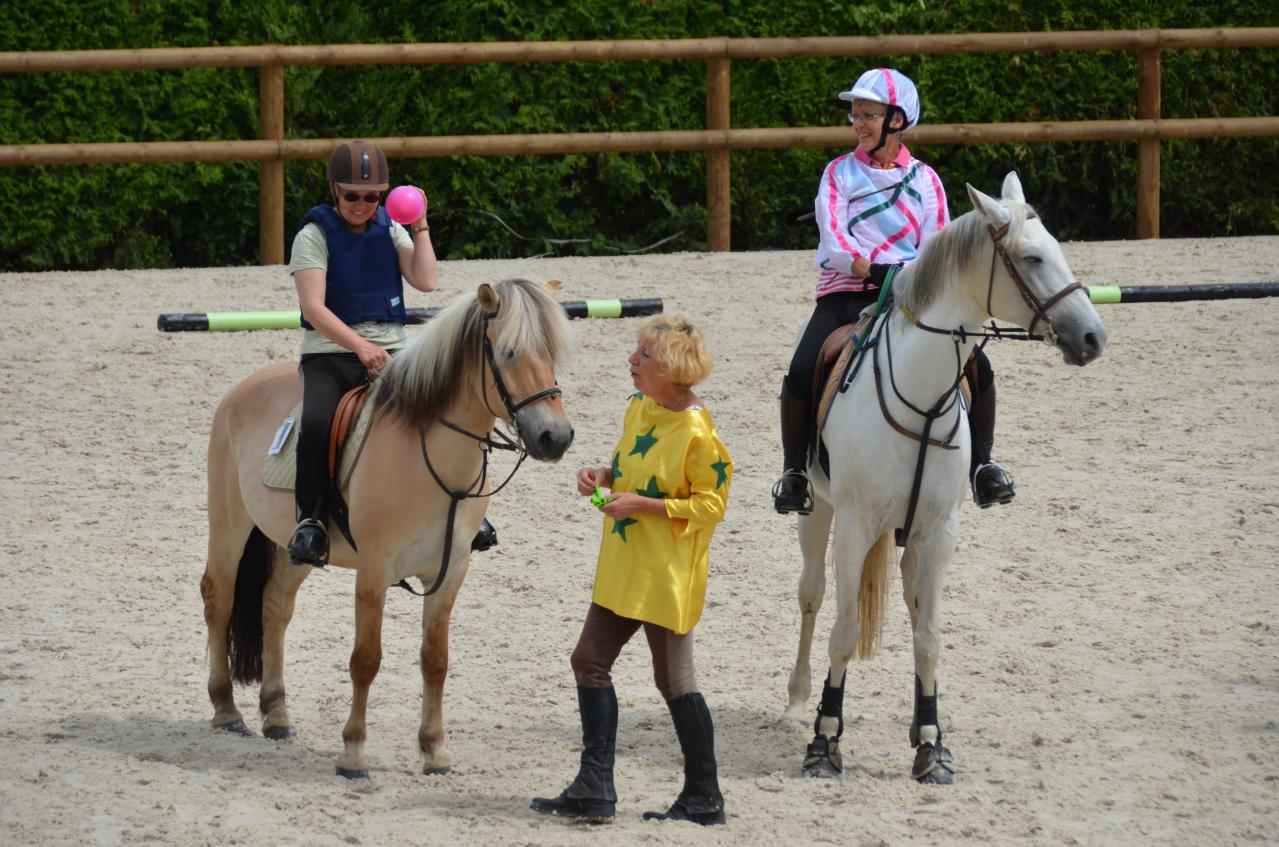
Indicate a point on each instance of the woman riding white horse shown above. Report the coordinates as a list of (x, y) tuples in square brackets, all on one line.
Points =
[(899, 450), (876, 207)]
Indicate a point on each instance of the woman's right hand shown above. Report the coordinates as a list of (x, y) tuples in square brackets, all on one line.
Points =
[(372, 357), (588, 478)]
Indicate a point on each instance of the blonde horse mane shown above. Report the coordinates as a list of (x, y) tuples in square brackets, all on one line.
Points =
[(947, 253), (429, 375)]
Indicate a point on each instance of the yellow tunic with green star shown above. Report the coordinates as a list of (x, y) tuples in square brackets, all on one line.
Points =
[(654, 569)]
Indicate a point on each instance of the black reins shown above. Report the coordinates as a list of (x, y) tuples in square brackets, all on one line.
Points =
[(486, 444)]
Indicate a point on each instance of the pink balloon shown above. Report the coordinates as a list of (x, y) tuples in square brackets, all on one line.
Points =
[(404, 204)]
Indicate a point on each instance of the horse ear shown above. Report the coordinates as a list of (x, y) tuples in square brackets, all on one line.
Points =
[(1012, 188), (553, 285), (488, 299), (989, 207)]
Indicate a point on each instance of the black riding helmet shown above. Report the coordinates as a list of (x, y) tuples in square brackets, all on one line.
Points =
[(358, 165)]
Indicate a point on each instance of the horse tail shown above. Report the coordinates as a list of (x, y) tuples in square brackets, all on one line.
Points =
[(244, 635), (872, 594)]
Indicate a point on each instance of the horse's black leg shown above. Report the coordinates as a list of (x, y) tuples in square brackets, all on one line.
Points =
[(933, 762), (822, 758)]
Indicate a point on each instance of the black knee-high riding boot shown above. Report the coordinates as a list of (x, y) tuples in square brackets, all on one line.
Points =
[(790, 493), (591, 796), (700, 800), (991, 483)]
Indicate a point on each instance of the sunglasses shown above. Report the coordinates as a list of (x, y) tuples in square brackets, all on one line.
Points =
[(352, 197)]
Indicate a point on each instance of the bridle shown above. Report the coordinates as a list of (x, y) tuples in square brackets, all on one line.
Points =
[(487, 444), (1040, 309)]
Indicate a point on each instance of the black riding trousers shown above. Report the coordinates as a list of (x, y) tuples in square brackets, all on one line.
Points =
[(325, 378)]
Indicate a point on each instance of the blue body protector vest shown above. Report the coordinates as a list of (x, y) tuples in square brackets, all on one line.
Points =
[(362, 282)]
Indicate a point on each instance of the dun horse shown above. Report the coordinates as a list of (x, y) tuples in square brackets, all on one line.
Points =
[(898, 452), (416, 497)]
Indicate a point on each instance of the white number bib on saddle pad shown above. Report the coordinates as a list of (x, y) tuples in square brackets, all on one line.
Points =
[(280, 467)]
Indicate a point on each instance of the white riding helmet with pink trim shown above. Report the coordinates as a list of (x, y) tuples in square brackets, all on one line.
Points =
[(890, 87)]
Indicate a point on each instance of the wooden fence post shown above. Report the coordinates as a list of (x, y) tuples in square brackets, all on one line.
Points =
[(1148, 106), (719, 193), (271, 171)]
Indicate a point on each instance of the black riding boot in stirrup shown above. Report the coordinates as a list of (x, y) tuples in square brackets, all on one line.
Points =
[(991, 483), (700, 800), (309, 544), (485, 538), (791, 492), (591, 796)]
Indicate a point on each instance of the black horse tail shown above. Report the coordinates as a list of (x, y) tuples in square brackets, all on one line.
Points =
[(244, 635)]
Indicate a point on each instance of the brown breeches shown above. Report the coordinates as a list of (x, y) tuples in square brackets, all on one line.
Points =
[(605, 633)]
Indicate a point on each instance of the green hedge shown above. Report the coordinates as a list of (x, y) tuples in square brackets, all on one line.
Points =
[(73, 217)]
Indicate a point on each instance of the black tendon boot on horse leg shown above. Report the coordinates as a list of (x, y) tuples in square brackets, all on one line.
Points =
[(822, 758), (933, 763), (590, 797), (700, 801), (791, 492), (991, 484)]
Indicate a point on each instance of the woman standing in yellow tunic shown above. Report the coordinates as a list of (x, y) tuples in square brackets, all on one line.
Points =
[(669, 481)]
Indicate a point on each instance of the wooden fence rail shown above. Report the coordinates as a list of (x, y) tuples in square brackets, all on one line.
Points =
[(718, 139)]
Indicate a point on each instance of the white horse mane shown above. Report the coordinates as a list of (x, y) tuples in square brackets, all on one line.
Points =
[(427, 376), (948, 252)]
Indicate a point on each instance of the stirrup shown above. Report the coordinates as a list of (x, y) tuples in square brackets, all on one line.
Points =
[(992, 486), (485, 538), (785, 500)]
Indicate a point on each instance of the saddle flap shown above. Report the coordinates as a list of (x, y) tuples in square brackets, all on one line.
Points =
[(830, 368), (344, 418)]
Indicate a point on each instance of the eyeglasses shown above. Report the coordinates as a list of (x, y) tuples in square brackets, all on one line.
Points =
[(864, 117), (351, 197)]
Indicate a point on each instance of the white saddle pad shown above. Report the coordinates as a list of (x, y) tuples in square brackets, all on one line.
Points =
[(280, 468)]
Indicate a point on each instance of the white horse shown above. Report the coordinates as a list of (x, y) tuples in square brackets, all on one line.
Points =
[(898, 450)]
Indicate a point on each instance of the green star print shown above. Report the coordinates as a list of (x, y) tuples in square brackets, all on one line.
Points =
[(651, 490), (619, 527), (617, 472), (644, 443), (720, 467)]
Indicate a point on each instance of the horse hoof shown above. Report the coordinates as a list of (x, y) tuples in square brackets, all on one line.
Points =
[(933, 766), (278, 733), (789, 718), (353, 773), (236, 727), (444, 771), (822, 759)]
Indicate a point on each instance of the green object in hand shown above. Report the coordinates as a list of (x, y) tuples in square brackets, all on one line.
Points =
[(598, 499)]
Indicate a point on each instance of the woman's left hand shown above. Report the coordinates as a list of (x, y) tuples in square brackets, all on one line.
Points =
[(623, 505), (425, 203)]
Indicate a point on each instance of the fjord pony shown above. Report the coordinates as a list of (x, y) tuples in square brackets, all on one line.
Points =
[(898, 449), (421, 480)]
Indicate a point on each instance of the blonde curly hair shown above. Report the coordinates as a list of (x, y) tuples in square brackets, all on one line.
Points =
[(678, 347)]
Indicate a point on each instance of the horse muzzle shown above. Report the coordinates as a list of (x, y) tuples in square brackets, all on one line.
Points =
[(1080, 344), (546, 436)]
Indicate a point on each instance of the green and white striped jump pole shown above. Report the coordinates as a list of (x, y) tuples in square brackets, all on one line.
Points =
[(1109, 294), (240, 321)]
